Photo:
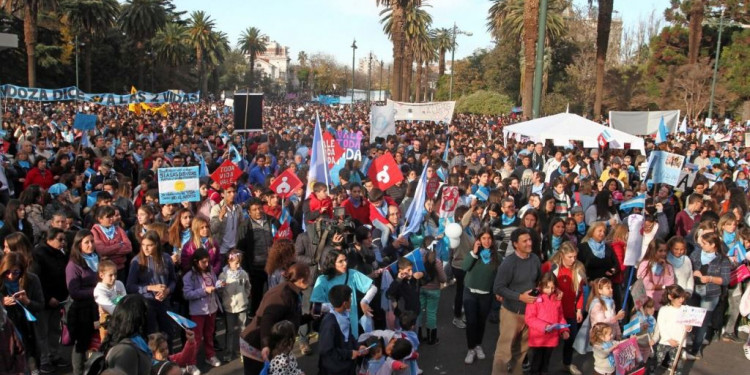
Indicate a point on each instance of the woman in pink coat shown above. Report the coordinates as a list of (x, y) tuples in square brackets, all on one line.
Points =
[(201, 238), (546, 323), (655, 271)]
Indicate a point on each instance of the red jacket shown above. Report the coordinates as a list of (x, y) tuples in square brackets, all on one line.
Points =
[(375, 215), (361, 213), (117, 249), (619, 248), (543, 312), (37, 177), (324, 206)]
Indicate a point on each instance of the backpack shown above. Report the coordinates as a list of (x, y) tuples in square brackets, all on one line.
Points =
[(96, 364)]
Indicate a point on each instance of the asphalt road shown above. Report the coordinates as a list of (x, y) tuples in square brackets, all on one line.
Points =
[(447, 357)]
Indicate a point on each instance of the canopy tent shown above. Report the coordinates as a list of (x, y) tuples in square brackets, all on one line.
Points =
[(644, 123), (564, 127)]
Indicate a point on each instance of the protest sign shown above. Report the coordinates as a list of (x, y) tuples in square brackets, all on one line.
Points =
[(747, 139), (74, 93), (382, 121), (334, 152), (691, 316), (638, 292), (226, 174), (667, 167), (627, 356), (285, 184), (177, 185), (449, 201), (685, 181), (433, 111), (84, 122), (351, 142), (384, 172)]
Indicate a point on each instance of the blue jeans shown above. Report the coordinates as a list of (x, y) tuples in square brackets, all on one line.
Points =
[(700, 333), (476, 308)]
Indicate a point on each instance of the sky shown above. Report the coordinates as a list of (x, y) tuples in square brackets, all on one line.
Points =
[(330, 26)]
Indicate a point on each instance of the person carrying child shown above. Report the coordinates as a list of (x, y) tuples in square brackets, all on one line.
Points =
[(546, 323), (107, 293)]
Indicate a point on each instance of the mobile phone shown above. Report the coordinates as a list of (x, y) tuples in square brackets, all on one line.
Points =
[(534, 292)]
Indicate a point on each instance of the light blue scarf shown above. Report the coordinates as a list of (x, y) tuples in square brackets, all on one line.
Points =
[(707, 258), (556, 242), (676, 262), (610, 357), (739, 251), (108, 232), (508, 220), (581, 228), (141, 344), (729, 238), (485, 255), (185, 236), (92, 260), (597, 248), (657, 269)]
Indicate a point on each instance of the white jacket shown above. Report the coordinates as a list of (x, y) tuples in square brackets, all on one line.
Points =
[(235, 295)]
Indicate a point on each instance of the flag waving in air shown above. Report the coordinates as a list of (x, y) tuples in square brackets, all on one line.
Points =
[(414, 215), (318, 167), (661, 135)]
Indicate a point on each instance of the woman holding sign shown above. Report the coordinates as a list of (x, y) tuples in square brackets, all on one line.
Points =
[(711, 273)]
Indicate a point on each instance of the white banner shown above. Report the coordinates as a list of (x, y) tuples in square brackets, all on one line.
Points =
[(643, 123), (382, 121), (433, 111)]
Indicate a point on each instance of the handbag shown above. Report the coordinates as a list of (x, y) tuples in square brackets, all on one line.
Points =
[(65, 338), (738, 275)]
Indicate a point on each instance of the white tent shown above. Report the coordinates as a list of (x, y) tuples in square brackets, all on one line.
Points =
[(644, 123), (564, 127)]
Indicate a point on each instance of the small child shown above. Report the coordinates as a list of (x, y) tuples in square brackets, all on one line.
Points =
[(281, 343), (546, 323), (404, 291), (338, 347), (235, 296), (186, 359), (200, 289), (602, 306), (669, 334), (107, 293), (407, 321), (378, 363), (645, 315), (601, 340)]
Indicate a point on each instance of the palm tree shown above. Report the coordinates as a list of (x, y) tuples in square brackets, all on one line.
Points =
[(424, 52), (396, 35), (252, 42), (28, 10), (140, 20), (216, 52), (416, 25), (442, 40), (200, 28), (90, 19), (302, 58), (603, 25), (171, 47)]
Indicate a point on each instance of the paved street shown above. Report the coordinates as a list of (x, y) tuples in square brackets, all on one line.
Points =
[(447, 357)]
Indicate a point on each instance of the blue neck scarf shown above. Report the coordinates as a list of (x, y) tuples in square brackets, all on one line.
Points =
[(729, 238), (92, 260), (109, 232), (581, 228), (485, 255), (657, 269), (24, 164), (556, 242), (676, 262), (508, 220), (648, 319), (185, 236), (20, 225), (12, 287), (597, 248), (608, 302), (141, 344), (707, 258), (204, 242), (610, 357)]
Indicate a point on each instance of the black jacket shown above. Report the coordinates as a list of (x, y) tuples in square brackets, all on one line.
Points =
[(49, 264), (335, 353), (247, 243)]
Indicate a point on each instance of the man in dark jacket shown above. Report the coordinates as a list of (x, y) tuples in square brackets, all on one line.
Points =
[(258, 237)]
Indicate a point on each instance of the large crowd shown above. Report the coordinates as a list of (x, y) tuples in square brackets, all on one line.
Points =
[(537, 244)]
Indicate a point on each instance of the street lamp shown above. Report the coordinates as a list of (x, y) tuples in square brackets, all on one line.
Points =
[(354, 48), (380, 92), (716, 65), (539, 64), (75, 42), (369, 78), (453, 56)]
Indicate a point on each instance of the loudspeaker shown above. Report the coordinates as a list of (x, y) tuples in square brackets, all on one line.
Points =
[(248, 111)]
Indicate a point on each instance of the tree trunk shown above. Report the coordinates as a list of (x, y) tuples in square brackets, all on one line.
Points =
[(30, 38), (398, 49), (418, 84), (406, 75), (87, 66), (199, 66), (695, 29), (530, 32), (251, 81), (603, 24), (426, 78), (441, 63)]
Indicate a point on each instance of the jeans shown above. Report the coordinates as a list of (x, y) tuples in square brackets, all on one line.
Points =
[(477, 307), (235, 324), (512, 344), (700, 333), (733, 309), (568, 344), (48, 335), (204, 332), (458, 300), (429, 299)]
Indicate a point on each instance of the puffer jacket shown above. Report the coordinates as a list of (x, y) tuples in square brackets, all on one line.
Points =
[(543, 312), (236, 293)]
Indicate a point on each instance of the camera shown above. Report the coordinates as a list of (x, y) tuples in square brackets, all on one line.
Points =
[(342, 225)]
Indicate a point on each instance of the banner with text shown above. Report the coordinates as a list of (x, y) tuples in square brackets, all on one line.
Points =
[(73, 93), (382, 121), (351, 142), (433, 111), (177, 185)]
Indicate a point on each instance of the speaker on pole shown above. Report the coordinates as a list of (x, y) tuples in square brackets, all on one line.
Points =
[(248, 112)]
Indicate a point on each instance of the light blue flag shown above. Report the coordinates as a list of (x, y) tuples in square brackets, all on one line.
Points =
[(234, 154), (417, 264), (414, 215), (318, 171), (637, 202), (335, 170), (182, 321), (447, 148), (202, 168), (632, 328), (285, 216), (26, 312), (661, 135), (85, 139)]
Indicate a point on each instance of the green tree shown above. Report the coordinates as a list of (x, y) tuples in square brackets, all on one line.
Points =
[(29, 11), (140, 20), (735, 62), (442, 40), (484, 103), (416, 25), (397, 36), (302, 58), (252, 43), (90, 19), (200, 29), (171, 45)]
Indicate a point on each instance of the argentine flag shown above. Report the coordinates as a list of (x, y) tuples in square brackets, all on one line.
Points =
[(414, 215), (637, 202), (318, 166), (661, 135)]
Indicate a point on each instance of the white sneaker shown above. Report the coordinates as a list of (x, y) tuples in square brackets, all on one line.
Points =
[(479, 352), (744, 328), (746, 349), (470, 357), (459, 323), (687, 356), (214, 362), (573, 370), (192, 370)]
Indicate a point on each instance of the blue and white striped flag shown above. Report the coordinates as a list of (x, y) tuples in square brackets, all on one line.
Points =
[(234, 154), (632, 328), (414, 215), (182, 321), (318, 171), (447, 148), (637, 202)]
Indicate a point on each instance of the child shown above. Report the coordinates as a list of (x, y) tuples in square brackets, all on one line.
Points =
[(645, 316), (281, 343), (404, 291), (542, 316), (199, 288), (407, 321), (601, 309), (186, 359), (601, 340), (669, 334), (235, 297), (107, 293), (378, 363), (338, 347)]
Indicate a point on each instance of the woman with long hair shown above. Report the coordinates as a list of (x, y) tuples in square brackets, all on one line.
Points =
[(180, 232), (19, 287), (603, 210), (81, 278), (480, 266), (728, 231), (200, 289), (33, 199), (655, 271), (18, 243), (152, 275), (530, 220), (144, 219), (281, 255), (598, 256), (571, 279), (201, 238), (125, 346), (14, 220), (111, 240), (554, 238)]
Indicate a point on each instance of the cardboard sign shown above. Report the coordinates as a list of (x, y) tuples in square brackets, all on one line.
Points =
[(177, 185), (84, 122), (334, 152), (384, 172), (667, 167), (627, 356), (226, 174), (449, 201), (691, 316), (285, 184)]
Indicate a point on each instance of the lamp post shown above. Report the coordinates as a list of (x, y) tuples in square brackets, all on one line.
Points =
[(453, 56), (380, 92), (539, 64), (354, 48), (369, 78), (716, 66), (76, 42)]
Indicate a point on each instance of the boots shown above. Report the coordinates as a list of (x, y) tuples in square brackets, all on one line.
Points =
[(432, 338), (421, 336)]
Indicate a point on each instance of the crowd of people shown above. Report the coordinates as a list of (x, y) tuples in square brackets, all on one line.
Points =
[(537, 244)]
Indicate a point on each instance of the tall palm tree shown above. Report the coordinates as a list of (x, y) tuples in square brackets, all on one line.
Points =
[(28, 10), (302, 58), (171, 46), (216, 52), (140, 20), (90, 19), (200, 27), (396, 35), (603, 25), (442, 40), (416, 25), (424, 52), (252, 43)]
